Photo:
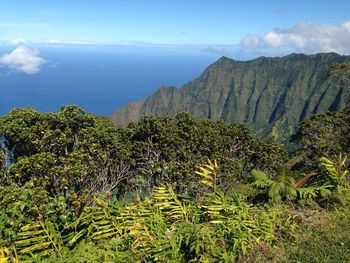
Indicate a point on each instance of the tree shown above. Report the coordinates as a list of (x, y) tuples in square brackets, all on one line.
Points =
[(166, 149), (340, 72), (324, 134), (71, 150)]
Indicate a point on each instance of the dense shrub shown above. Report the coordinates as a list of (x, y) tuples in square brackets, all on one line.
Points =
[(66, 151), (167, 149)]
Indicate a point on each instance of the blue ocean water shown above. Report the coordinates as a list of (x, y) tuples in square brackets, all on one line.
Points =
[(99, 79)]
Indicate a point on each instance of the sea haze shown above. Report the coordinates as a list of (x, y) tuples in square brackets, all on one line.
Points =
[(99, 78)]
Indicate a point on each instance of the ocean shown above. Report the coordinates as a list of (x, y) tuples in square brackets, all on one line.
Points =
[(99, 79)]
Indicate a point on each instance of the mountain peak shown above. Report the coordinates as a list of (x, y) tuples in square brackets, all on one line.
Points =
[(271, 95)]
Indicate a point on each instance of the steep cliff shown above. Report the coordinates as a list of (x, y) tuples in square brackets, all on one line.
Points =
[(271, 95)]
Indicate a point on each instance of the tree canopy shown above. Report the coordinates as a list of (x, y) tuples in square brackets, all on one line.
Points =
[(68, 150)]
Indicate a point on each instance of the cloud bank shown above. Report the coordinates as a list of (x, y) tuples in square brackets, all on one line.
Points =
[(23, 59), (216, 51), (303, 37)]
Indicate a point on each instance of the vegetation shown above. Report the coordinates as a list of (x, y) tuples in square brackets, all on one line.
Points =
[(170, 189), (270, 95), (324, 134)]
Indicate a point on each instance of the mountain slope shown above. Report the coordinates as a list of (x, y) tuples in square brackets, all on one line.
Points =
[(269, 94)]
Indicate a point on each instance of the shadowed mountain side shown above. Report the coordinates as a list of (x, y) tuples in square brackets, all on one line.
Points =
[(270, 95)]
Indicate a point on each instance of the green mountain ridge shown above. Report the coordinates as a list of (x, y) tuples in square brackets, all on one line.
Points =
[(270, 95)]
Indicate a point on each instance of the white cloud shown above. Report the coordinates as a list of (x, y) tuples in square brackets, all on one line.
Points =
[(62, 42), (216, 51), (17, 41), (251, 41), (304, 37), (347, 25), (23, 59)]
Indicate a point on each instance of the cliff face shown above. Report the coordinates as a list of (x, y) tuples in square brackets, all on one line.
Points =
[(271, 95)]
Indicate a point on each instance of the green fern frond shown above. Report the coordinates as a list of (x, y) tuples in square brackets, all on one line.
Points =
[(138, 211), (6, 255), (95, 223), (133, 218), (336, 170), (208, 174), (314, 192), (244, 189), (39, 238), (261, 179), (259, 175), (169, 204), (214, 207), (276, 189)]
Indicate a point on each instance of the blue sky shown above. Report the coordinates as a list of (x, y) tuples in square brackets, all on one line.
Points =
[(237, 29), (179, 22)]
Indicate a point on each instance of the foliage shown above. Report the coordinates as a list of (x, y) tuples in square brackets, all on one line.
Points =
[(22, 204), (340, 72), (325, 134), (110, 250), (63, 151), (323, 236), (81, 190), (169, 203), (162, 227), (337, 177), (7, 256), (165, 149), (208, 174), (324, 240), (39, 239), (19, 205), (276, 189)]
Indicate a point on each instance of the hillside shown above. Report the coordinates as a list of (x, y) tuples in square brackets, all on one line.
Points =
[(271, 95)]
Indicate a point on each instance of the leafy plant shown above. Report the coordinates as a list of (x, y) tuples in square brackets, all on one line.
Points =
[(338, 177), (6, 256), (335, 170), (208, 174), (39, 239), (169, 204), (282, 186)]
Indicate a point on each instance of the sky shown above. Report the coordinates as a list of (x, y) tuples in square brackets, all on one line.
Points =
[(238, 29)]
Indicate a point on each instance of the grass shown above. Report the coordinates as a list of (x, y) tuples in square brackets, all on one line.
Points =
[(324, 236)]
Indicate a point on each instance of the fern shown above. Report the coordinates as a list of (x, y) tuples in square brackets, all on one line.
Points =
[(261, 179), (310, 192), (336, 170), (339, 177), (96, 223), (40, 239), (7, 257), (245, 225), (138, 211), (141, 235), (214, 207), (208, 174), (243, 189), (282, 186), (169, 204), (133, 219)]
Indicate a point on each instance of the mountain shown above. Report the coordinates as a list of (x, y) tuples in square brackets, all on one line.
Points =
[(270, 95)]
